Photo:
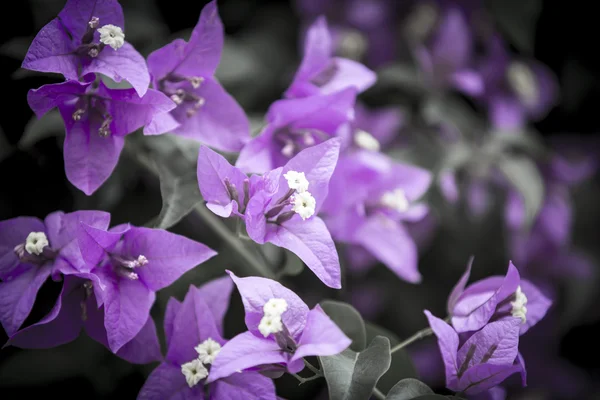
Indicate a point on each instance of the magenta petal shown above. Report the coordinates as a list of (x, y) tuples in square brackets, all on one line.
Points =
[(47, 97), (485, 376), (218, 293), (256, 292), (161, 123), (165, 382), (95, 243), (213, 169), (448, 344), (18, 295), (89, 158), (169, 255), (122, 64), (245, 351), (52, 51), (459, 287), (310, 240), (321, 336), (537, 305), (62, 324), (349, 73), (391, 244), (220, 123), (244, 386), (62, 229), (501, 336), (76, 14), (193, 324), (12, 233)]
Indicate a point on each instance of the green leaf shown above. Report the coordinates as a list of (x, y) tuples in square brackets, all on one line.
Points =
[(408, 389), (351, 375), (524, 176), (51, 124), (180, 194), (401, 366), (349, 320), (517, 19), (292, 265)]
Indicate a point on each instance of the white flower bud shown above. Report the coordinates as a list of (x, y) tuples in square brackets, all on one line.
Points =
[(297, 181), (304, 204), (112, 36), (270, 324), (207, 351), (396, 200), (518, 306), (194, 372), (366, 141), (35, 243), (275, 307)]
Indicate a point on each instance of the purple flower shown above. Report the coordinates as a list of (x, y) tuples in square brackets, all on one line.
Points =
[(297, 124), (281, 331), (185, 72), (75, 45), (484, 360), (111, 295), (281, 206), (31, 250), (383, 195), (496, 298), (194, 333), (381, 124), (446, 62), (516, 90), (96, 121), (321, 73)]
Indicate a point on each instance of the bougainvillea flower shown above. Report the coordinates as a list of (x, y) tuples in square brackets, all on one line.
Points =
[(87, 37), (281, 331), (131, 264), (31, 250), (384, 194), (484, 360), (77, 309), (446, 61), (281, 206), (185, 72), (194, 333), (376, 128), (496, 298), (322, 73), (97, 119), (297, 124)]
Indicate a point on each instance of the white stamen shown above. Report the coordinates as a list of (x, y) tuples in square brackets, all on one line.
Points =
[(177, 99), (366, 141), (275, 307), (523, 81), (396, 200), (518, 306), (77, 114), (297, 181), (112, 36), (207, 351), (270, 324), (196, 81), (288, 149), (194, 372), (35, 243), (93, 22), (304, 204), (141, 261)]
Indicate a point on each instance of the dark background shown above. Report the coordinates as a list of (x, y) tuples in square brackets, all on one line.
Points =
[(32, 182)]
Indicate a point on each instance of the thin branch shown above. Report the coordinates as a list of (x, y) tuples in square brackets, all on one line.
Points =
[(378, 394), (417, 336), (314, 369)]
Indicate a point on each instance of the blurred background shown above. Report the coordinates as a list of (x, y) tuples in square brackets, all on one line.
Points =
[(436, 124)]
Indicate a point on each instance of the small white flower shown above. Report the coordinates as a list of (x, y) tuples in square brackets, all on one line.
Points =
[(270, 324), (275, 307), (112, 36), (523, 81), (207, 351), (396, 200), (141, 261), (518, 306), (194, 372), (366, 141), (304, 204), (297, 181), (35, 243)]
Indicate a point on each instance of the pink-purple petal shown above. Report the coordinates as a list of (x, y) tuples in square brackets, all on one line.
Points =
[(165, 382), (244, 386), (212, 170), (448, 344)]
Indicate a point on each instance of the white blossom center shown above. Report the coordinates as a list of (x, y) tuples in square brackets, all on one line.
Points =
[(297, 181), (275, 307), (35, 243), (112, 36), (194, 372), (304, 204), (271, 321), (207, 351), (366, 141), (523, 81), (396, 200), (518, 306)]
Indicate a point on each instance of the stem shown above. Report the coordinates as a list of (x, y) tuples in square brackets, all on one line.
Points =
[(314, 369), (378, 394), (304, 380), (417, 336)]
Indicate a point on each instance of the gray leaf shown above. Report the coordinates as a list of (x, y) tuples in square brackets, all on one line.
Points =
[(517, 19), (408, 389), (51, 124), (349, 320)]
